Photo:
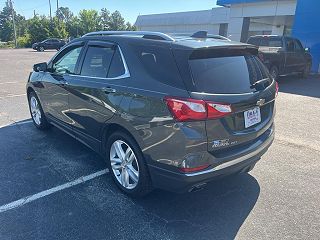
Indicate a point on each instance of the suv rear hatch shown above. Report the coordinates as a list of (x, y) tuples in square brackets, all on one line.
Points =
[(232, 80)]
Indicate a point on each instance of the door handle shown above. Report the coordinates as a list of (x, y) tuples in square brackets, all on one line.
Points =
[(108, 90)]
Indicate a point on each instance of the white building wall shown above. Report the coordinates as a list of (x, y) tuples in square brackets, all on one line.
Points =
[(236, 16), (211, 28), (273, 8), (278, 30), (185, 22)]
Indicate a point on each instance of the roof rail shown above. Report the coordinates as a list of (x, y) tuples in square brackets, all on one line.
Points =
[(144, 34)]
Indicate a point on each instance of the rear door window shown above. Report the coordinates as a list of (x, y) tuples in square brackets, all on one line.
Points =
[(97, 61), (233, 74)]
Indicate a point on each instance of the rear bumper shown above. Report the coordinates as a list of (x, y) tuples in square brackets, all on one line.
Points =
[(180, 182)]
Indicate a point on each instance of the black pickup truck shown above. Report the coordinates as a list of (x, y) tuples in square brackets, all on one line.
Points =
[(282, 55)]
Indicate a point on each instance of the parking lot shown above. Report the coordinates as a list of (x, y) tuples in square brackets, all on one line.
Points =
[(53, 187)]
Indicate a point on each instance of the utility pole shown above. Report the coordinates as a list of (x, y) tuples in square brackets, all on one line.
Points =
[(14, 23), (50, 10), (57, 9)]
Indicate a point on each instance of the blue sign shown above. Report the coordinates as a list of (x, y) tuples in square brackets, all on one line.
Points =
[(306, 28), (226, 2)]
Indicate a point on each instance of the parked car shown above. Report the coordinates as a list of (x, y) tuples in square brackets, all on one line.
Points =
[(164, 113), (52, 43), (283, 55)]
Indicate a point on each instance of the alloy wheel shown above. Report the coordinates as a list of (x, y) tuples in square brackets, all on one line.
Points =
[(35, 110), (124, 164)]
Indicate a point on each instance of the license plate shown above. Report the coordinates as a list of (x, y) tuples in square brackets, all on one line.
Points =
[(252, 117)]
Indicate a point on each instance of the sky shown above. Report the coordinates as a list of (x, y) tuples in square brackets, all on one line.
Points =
[(129, 9)]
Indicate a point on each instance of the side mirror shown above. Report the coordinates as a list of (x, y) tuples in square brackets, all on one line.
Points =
[(40, 67), (307, 49)]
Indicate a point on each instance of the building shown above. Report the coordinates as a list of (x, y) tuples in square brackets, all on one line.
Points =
[(240, 19)]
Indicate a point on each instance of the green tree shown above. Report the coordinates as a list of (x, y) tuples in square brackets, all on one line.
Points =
[(58, 29), (130, 27), (6, 26), (73, 26), (39, 28), (117, 22), (63, 25), (105, 19), (88, 21), (64, 14)]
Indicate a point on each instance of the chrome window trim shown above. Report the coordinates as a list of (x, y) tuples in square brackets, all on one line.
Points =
[(126, 69)]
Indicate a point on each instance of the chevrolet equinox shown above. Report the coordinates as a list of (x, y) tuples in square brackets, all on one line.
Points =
[(165, 112)]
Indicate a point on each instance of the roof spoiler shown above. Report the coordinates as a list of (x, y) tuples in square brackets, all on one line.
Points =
[(205, 34), (224, 51), (200, 34)]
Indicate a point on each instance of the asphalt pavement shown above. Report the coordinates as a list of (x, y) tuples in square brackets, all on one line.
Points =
[(53, 187)]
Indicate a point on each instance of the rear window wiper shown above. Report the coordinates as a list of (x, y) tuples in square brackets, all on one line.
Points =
[(261, 84)]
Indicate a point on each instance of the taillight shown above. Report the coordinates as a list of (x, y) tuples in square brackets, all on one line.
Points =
[(277, 89), (192, 109), (218, 110), (187, 109)]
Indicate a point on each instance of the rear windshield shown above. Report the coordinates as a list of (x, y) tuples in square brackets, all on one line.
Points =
[(227, 74), (266, 41)]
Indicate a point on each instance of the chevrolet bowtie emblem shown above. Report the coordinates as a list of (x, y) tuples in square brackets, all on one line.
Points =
[(261, 102)]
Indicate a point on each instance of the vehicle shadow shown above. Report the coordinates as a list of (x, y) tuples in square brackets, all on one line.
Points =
[(27, 154), (216, 212), (305, 87)]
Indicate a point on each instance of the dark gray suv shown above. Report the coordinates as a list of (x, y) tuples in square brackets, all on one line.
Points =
[(165, 112)]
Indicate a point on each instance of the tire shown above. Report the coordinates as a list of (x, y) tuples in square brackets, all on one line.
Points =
[(36, 112), (130, 175), (41, 49), (274, 72), (307, 70)]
